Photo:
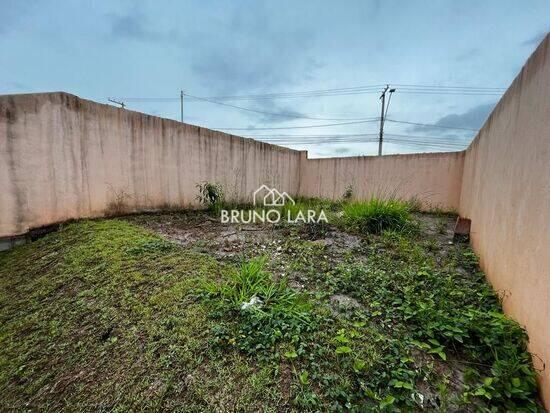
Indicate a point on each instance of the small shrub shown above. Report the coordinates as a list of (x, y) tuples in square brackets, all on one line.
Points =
[(210, 194), (119, 204), (348, 193), (378, 215), (279, 312), (414, 204)]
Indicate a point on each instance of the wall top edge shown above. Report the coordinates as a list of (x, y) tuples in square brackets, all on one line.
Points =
[(77, 103), (533, 63)]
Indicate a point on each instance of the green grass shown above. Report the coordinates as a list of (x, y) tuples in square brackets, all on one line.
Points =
[(106, 316), (377, 215), (102, 316)]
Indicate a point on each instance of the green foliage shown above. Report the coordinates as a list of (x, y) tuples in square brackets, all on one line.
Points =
[(348, 193), (150, 247), (435, 311), (210, 194), (154, 325), (101, 316), (377, 215), (266, 311)]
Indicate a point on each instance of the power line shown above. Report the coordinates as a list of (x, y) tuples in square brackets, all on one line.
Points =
[(425, 141), (375, 88), (318, 136), (298, 127), (429, 125), (318, 92), (282, 114), (404, 85)]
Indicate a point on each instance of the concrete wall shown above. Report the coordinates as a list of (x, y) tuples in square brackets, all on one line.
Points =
[(432, 178), (62, 157), (506, 193)]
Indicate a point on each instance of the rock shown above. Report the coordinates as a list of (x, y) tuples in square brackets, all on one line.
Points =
[(343, 302), (325, 242)]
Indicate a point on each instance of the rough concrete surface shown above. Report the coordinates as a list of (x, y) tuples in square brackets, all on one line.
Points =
[(506, 194)]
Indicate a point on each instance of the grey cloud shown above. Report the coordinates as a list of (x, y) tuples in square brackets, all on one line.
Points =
[(250, 53), (472, 119), (535, 40), (468, 54), (136, 26), (12, 12)]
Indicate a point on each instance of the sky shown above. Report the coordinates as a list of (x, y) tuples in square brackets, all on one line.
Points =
[(144, 53)]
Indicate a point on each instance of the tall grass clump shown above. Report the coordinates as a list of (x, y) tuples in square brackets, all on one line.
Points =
[(377, 215), (252, 288), (256, 313)]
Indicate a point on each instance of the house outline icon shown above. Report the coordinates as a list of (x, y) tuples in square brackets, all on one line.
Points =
[(272, 197)]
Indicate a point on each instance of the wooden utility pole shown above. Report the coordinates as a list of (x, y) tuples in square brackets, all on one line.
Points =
[(383, 115), (381, 136), (181, 105)]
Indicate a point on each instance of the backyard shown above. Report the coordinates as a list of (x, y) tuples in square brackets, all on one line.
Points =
[(378, 309)]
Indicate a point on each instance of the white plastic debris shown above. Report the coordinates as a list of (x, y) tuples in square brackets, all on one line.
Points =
[(254, 302), (418, 398)]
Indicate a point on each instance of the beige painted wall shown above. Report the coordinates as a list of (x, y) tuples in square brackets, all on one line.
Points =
[(62, 157), (433, 178), (506, 193)]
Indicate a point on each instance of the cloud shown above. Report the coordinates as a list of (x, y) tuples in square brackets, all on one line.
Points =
[(342, 150), (535, 40), (135, 25), (473, 118), (468, 54), (12, 13), (250, 52)]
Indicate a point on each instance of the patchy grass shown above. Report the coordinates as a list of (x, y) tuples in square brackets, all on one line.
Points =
[(102, 316), (107, 316)]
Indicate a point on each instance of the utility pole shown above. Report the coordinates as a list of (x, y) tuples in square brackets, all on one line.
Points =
[(181, 105), (122, 105), (383, 114)]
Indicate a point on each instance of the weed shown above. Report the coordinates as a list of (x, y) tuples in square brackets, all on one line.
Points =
[(210, 194), (348, 193), (377, 215), (441, 225), (119, 203), (267, 311), (414, 204)]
